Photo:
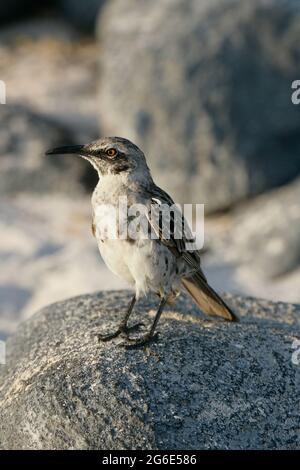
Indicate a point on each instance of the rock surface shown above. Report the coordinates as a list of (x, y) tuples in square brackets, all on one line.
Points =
[(204, 384), (208, 85), (266, 232), (24, 138)]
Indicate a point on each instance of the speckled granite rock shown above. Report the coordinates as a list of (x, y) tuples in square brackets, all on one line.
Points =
[(204, 384)]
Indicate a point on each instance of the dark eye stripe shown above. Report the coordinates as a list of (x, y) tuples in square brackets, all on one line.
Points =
[(103, 153)]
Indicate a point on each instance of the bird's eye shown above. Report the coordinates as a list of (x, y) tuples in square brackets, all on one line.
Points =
[(111, 152)]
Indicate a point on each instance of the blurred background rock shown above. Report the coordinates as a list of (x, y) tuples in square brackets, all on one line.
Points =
[(204, 87)]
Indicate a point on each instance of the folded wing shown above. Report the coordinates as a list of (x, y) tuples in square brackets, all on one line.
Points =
[(195, 282)]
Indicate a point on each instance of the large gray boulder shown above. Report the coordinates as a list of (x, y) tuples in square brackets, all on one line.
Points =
[(265, 234), (205, 88), (204, 384)]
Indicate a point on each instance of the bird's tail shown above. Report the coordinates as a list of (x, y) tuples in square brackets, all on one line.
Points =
[(206, 298)]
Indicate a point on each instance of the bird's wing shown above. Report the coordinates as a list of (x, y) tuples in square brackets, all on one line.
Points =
[(195, 282), (173, 231)]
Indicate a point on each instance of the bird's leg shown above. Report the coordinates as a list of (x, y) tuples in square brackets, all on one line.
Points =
[(123, 328), (142, 340)]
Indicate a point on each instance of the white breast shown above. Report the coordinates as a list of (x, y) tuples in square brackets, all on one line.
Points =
[(114, 254), (146, 265)]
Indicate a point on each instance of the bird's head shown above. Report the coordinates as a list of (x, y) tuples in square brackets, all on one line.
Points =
[(109, 156)]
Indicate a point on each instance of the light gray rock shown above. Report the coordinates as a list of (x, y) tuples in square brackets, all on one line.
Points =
[(24, 138), (265, 233), (205, 88), (204, 385)]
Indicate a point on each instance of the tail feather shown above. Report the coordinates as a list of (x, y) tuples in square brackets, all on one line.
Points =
[(206, 298)]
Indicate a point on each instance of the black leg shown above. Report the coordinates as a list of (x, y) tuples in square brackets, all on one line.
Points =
[(137, 342), (123, 328)]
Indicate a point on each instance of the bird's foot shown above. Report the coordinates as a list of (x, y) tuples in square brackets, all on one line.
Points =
[(135, 343), (108, 336), (122, 330)]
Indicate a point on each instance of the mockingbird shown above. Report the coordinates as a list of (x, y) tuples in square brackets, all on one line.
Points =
[(159, 263)]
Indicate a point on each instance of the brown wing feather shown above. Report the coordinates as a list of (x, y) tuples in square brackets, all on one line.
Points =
[(196, 284), (206, 298)]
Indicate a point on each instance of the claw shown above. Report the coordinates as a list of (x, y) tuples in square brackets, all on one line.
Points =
[(120, 331), (135, 343), (108, 336)]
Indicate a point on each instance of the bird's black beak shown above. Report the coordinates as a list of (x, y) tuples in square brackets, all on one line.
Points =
[(67, 150)]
